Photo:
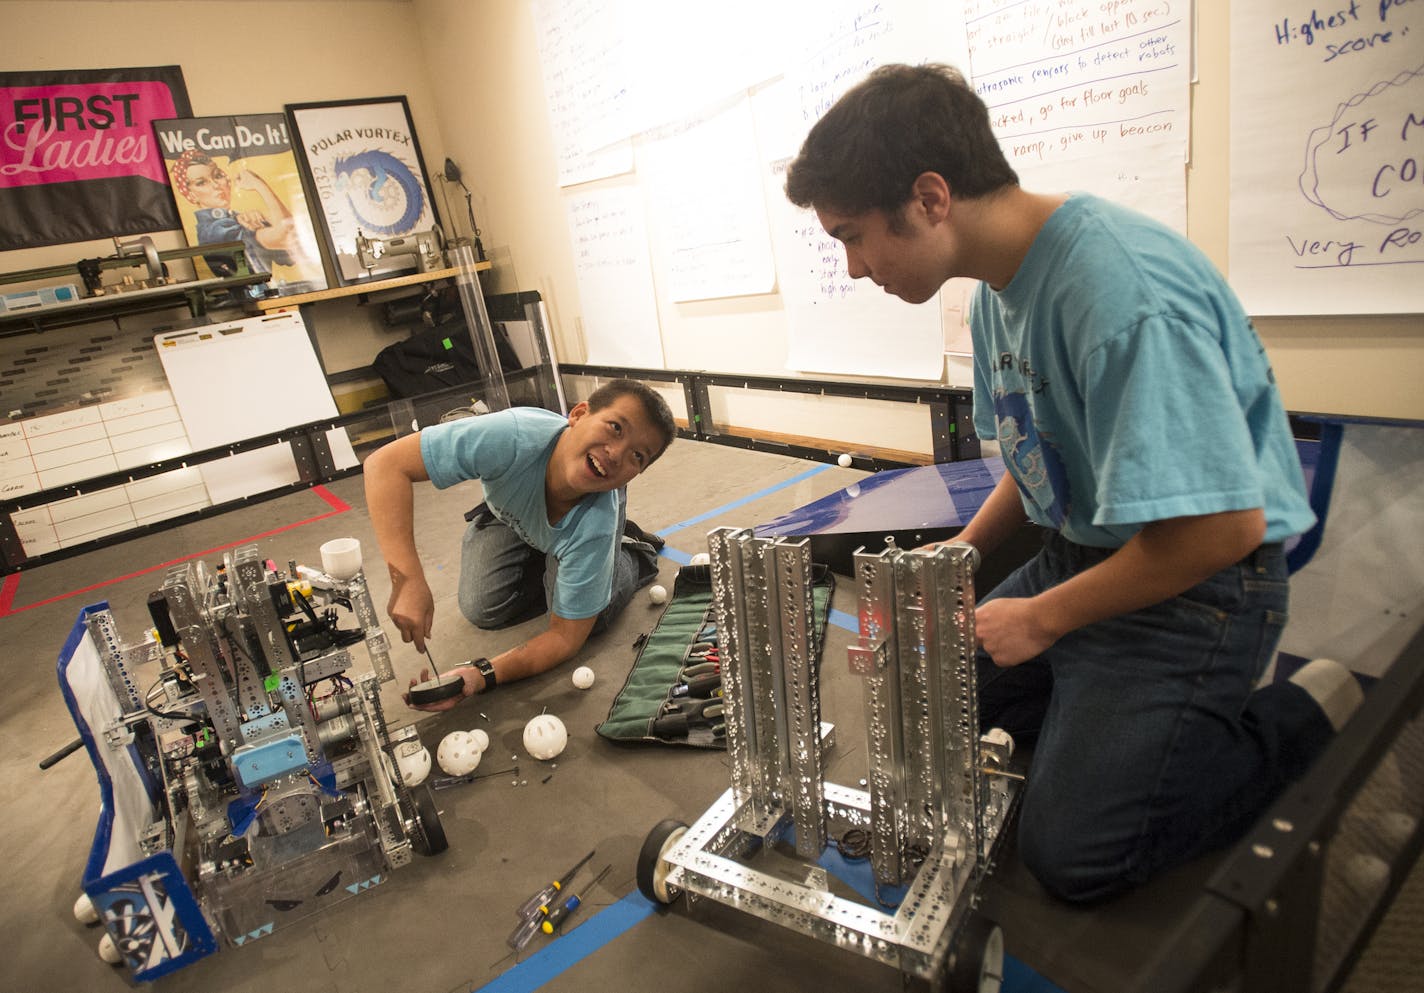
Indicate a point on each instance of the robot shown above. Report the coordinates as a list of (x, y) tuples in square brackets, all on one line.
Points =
[(937, 795), (248, 776)]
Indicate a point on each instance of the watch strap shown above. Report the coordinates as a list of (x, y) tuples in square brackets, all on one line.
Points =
[(486, 670)]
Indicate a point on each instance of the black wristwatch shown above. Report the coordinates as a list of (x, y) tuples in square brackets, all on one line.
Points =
[(486, 670)]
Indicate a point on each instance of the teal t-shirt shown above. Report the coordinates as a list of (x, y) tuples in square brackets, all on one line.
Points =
[(1125, 383), (508, 453)]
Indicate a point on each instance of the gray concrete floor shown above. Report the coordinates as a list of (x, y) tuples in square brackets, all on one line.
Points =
[(439, 924)]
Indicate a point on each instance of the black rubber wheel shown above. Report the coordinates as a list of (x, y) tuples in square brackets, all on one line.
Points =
[(427, 816), (435, 690), (976, 959), (652, 870)]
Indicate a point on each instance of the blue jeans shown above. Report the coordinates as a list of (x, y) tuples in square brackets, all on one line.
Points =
[(1152, 744), (504, 581)]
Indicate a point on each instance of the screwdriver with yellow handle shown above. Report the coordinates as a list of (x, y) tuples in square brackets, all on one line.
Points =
[(560, 911), (533, 910)]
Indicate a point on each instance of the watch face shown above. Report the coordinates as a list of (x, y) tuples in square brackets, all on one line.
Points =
[(486, 670)]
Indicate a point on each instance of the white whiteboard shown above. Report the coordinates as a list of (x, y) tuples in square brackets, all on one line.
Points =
[(1327, 157), (244, 379)]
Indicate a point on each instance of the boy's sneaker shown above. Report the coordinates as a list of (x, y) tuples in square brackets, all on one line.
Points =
[(1333, 687), (631, 530)]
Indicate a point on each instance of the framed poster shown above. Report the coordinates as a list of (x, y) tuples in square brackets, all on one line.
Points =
[(78, 161), (236, 179), (362, 162)]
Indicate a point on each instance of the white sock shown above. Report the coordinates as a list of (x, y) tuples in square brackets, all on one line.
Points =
[(1333, 687)]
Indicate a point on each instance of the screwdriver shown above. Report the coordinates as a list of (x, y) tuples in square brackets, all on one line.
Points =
[(569, 904), (522, 932), (530, 907), (532, 911)]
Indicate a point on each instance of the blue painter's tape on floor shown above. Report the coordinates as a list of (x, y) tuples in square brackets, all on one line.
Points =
[(569, 949), (1019, 978), (681, 558), (566, 951), (859, 876), (664, 532), (843, 620)]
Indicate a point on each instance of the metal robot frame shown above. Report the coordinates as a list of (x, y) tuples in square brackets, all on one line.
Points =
[(937, 794), (254, 782)]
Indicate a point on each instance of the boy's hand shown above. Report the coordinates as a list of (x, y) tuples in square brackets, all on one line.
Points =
[(438, 706), (411, 608), (1011, 630)]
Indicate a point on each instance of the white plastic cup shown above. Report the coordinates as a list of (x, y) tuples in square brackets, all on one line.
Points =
[(341, 558)]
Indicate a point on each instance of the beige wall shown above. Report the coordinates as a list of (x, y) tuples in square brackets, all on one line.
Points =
[(247, 57), (470, 69)]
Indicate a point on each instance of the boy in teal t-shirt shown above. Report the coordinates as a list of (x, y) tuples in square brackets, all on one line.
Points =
[(553, 488), (1142, 429)]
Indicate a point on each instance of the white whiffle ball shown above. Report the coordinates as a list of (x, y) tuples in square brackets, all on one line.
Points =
[(701, 558), (413, 758), (457, 754), (583, 677), (844, 461), (657, 593), (480, 739), (545, 736)]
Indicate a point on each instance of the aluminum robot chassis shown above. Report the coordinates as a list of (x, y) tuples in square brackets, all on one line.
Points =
[(937, 794), (247, 773)]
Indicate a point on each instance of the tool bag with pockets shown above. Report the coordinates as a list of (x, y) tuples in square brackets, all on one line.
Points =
[(673, 695)]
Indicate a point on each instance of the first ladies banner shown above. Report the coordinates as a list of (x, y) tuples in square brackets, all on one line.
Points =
[(78, 159)]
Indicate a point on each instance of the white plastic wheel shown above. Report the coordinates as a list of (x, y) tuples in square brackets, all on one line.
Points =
[(976, 961)]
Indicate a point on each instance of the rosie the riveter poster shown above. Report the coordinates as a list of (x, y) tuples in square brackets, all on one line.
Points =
[(235, 179)]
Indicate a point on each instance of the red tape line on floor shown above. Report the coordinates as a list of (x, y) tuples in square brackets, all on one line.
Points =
[(12, 582)]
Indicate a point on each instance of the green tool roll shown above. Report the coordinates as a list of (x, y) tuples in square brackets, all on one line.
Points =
[(673, 693)]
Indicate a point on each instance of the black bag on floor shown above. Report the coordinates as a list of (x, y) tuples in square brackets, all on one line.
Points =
[(435, 359)]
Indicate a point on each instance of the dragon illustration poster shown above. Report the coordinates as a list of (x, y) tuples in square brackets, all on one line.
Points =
[(362, 162), (236, 179)]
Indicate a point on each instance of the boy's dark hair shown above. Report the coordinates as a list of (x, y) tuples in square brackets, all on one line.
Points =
[(898, 122), (659, 414)]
